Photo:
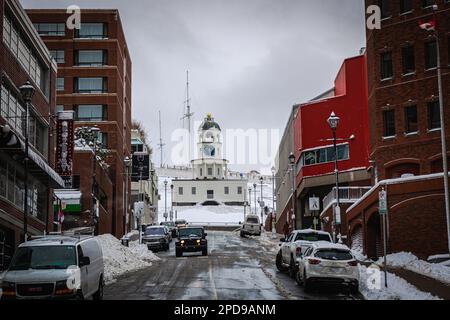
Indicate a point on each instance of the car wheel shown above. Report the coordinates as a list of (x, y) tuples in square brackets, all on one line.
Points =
[(298, 278), (178, 253), (279, 262), (292, 268), (99, 294)]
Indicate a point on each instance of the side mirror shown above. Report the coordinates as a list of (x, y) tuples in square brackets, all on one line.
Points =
[(206, 234), (85, 261)]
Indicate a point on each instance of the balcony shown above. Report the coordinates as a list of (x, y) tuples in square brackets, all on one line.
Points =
[(346, 194)]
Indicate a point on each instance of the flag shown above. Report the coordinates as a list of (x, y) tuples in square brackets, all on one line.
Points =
[(60, 216), (429, 25)]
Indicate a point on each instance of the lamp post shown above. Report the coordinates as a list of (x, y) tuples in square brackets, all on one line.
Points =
[(261, 203), (292, 165), (171, 202), (152, 175), (27, 92), (333, 121), (273, 200), (165, 200), (254, 189), (250, 200), (127, 162), (95, 131)]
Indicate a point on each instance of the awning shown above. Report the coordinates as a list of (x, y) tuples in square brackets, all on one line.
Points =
[(70, 197)]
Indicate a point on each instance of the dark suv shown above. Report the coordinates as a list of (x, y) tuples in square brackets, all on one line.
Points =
[(192, 239)]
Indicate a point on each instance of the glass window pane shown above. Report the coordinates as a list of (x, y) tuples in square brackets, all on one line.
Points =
[(90, 58), (90, 112), (91, 30), (90, 85)]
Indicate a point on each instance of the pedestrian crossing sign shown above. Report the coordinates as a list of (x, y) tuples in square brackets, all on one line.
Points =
[(314, 204)]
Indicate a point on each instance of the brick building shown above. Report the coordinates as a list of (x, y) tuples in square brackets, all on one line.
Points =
[(94, 80), (405, 126), (24, 57)]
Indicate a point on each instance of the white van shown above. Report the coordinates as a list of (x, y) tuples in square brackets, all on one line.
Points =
[(54, 267)]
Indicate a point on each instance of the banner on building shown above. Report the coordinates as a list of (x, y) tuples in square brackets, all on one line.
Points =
[(65, 146)]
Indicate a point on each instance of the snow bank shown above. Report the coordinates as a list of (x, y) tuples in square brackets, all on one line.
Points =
[(119, 260), (410, 262), (398, 288)]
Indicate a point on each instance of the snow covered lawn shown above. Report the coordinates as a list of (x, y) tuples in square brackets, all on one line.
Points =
[(410, 262), (119, 260), (372, 287)]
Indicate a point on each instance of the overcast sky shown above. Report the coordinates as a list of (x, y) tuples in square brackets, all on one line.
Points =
[(249, 60)]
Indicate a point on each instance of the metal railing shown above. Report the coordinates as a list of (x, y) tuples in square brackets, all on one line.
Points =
[(345, 194)]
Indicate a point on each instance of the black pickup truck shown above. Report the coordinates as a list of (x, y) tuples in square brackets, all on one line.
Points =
[(192, 239)]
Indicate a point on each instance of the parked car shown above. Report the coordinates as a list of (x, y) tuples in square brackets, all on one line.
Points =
[(181, 224), (171, 226), (296, 243), (251, 226), (156, 238), (191, 240), (56, 267), (328, 263)]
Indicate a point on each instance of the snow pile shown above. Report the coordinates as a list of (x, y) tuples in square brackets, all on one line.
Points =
[(410, 262), (119, 260), (372, 287)]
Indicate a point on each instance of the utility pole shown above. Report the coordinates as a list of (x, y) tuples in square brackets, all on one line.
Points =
[(161, 144), (188, 115)]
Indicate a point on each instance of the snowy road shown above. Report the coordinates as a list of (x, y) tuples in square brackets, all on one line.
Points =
[(235, 269)]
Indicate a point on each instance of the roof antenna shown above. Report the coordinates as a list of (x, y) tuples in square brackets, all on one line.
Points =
[(161, 144), (188, 115)]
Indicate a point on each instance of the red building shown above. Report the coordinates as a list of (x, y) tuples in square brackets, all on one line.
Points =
[(314, 152)]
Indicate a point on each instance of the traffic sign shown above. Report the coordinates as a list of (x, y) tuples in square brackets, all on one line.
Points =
[(337, 213), (382, 206), (139, 209), (314, 204)]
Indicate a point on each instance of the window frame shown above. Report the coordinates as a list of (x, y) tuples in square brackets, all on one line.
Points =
[(387, 134), (409, 126)]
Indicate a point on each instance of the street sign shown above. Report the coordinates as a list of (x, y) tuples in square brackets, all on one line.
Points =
[(314, 204), (382, 206), (139, 209), (337, 213)]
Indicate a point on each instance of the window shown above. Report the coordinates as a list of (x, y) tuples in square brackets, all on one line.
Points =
[(59, 108), (385, 8), (389, 123), (50, 29), (201, 172), (210, 194), (60, 84), (180, 191), (91, 31), (136, 147), (434, 116), (428, 3), (386, 66), (194, 190), (26, 57), (90, 113), (408, 60), (103, 139), (239, 190), (227, 190), (90, 85), (405, 6), (430, 55), (12, 111), (411, 125), (324, 155), (210, 171), (58, 55), (91, 58)]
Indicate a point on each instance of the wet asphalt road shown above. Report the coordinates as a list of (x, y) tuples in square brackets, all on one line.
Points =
[(235, 269)]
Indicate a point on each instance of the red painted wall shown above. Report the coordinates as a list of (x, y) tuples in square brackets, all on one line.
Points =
[(350, 104)]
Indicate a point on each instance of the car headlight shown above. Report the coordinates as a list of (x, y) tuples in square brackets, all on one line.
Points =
[(62, 288), (9, 289)]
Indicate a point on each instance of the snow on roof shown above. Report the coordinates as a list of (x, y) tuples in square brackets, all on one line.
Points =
[(395, 181)]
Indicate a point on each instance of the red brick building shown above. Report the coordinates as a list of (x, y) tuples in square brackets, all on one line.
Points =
[(94, 80), (24, 57), (405, 130)]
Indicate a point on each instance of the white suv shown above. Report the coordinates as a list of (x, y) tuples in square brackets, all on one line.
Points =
[(328, 263), (251, 226), (296, 243)]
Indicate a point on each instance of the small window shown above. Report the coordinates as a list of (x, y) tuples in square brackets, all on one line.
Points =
[(386, 66), (389, 123), (201, 171), (210, 194), (90, 85), (90, 113), (60, 84), (434, 116), (430, 55), (91, 31), (227, 190), (180, 191), (91, 58), (405, 6), (210, 171), (58, 55), (194, 190), (50, 29), (408, 60), (411, 125), (239, 190)]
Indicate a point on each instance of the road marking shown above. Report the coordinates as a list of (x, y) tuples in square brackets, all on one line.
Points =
[(211, 279)]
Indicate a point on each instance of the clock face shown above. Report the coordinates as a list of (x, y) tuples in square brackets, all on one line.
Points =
[(209, 151)]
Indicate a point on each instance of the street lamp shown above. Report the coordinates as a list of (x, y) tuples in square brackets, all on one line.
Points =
[(171, 202), (261, 203), (127, 163), (254, 189), (95, 131), (27, 92), (273, 200), (333, 121), (165, 199), (250, 200), (292, 164)]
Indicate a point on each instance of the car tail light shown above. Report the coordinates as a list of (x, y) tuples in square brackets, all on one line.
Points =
[(353, 263), (298, 251), (314, 261)]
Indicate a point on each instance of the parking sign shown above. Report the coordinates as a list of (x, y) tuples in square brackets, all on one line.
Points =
[(382, 206)]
